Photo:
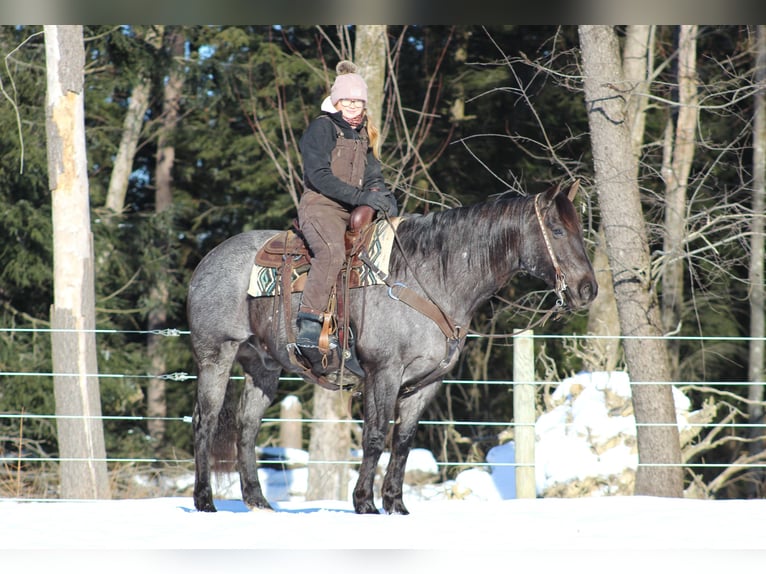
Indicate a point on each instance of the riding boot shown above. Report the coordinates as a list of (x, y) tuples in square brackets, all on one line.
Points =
[(307, 340), (351, 362)]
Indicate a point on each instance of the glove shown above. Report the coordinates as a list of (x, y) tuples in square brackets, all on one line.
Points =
[(383, 201), (393, 209)]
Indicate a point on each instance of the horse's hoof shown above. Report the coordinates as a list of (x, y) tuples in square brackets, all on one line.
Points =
[(206, 506), (260, 509), (396, 507), (366, 508), (258, 505)]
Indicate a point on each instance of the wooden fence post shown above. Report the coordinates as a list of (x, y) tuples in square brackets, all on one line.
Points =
[(524, 412), (290, 427)]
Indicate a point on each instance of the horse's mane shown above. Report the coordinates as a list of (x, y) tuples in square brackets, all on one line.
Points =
[(487, 231)]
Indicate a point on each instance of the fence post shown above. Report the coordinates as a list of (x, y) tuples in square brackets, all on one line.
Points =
[(290, 427), (524, 412)]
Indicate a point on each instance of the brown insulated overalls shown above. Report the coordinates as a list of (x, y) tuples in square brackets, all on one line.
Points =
[(323, 222)]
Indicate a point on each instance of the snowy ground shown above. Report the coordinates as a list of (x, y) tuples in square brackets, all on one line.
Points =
[(596, 534), (470, 524)]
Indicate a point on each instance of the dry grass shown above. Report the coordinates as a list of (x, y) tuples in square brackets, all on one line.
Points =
[(40, 480)]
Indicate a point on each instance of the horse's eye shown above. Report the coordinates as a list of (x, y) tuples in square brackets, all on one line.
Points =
[(558, 232)]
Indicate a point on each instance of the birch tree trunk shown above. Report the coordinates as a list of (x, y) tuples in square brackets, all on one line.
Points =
[(756, 272), (638, 65), (659, 472), (131, 130), (677, 163), (156, 407), (370, 57), (73, 314), (330, 442)]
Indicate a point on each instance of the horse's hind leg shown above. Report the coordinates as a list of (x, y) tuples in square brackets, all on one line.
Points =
[(258, 393), (212, 379), (408, 413)]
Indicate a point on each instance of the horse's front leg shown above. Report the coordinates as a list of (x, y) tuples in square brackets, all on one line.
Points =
[(254, 401), (408, 411), (379, 399)]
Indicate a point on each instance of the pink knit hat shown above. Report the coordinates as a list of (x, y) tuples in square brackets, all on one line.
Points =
[(348, 84)]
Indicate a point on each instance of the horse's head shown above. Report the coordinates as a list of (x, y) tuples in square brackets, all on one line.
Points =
[(560, 257)]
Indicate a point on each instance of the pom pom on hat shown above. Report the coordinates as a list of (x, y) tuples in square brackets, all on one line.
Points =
[(346, 67), (348, 84)]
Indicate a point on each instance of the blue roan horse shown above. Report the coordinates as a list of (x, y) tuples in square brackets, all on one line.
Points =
[(457, 259)]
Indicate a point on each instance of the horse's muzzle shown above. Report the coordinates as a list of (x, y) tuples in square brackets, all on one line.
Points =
[(584, 293)]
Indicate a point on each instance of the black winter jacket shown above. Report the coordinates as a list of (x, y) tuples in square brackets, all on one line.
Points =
[(316, 146)]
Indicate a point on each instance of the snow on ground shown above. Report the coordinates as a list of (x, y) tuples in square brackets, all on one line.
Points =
[(472, 523), (591, 434), (594, 534)]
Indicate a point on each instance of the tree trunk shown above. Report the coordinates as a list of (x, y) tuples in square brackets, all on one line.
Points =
[(290, 425), (756, 273), (604, 352), (331, 441), (603, 321), (155, 394), (329, 446), (637, 63), (677, 163), (659, 472), (134, 121), (73, 314), (370, 57)]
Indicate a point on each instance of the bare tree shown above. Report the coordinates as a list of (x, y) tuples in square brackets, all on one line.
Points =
[(756, 273), (73, 314), (370, 51), (659, 471), (408, 169), (676, 166), (603, 320), (156, 407), (131, 130)]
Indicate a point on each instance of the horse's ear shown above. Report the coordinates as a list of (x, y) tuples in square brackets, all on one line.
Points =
[(573, 190), (549, 196)]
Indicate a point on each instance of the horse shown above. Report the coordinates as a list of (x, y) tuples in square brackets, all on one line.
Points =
[(452, 260)]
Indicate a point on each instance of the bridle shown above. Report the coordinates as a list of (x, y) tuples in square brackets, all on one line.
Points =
[(561, 279), (454, 333)]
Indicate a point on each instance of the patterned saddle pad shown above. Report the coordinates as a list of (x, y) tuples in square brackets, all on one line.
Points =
[(265, 277)]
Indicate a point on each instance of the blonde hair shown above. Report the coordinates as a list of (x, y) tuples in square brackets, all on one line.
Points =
[(374, 134)]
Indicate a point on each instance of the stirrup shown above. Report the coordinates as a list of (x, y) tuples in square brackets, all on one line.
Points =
[(316, 360), (328, 382)]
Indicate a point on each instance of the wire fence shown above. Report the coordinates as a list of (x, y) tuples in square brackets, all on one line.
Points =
[(183, 377)]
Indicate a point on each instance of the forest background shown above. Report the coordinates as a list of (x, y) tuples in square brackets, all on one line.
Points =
[(207, 118)]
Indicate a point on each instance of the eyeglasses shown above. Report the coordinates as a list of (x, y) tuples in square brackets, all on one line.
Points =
[(352, 103)]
